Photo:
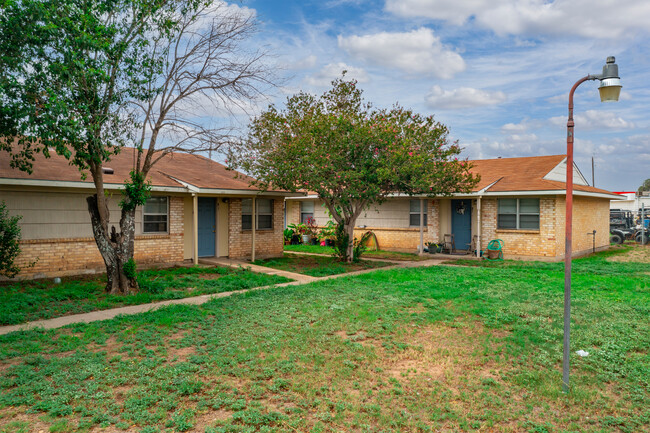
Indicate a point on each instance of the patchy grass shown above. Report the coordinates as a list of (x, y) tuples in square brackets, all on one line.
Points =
[(317, 266), (632, 253), (42, 299), (380, 254), (406, 350), (613, 261)]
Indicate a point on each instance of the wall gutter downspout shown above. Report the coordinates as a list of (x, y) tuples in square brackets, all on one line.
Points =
[(478, 219), (253, 227), (195, 229)]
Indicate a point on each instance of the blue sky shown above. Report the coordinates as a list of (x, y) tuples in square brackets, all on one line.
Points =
[(496, 72)]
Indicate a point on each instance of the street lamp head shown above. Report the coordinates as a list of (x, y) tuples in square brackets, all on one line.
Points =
[(610, 83)]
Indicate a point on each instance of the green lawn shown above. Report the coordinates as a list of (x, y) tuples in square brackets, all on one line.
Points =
[(317, 266), (408, 350), (380, 254), (42, 299)]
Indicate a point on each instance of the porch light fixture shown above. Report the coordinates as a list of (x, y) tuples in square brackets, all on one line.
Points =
[(610, 89)]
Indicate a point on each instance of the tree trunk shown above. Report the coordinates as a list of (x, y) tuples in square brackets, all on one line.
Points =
[(349, 230), (116, 248)]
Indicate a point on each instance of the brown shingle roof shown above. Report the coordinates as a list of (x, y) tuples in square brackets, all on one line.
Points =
[(504, 174), (522, 174), (196, 170)]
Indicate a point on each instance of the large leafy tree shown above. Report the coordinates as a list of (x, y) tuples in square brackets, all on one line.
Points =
[(645, 186), (83, 78), (351, 154)]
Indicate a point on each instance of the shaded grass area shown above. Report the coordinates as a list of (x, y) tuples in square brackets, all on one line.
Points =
[(317, 266), (419, 349), (42, 299), (380, 254)]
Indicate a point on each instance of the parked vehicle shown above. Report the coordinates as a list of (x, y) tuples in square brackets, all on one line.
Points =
[(622, 227)]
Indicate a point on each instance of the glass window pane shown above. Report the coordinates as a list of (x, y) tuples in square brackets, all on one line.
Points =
[(307, 206), (265, 222), (507, 221), (414, 220), (507, 205), (415, 206), (156, 205), (246, 222), (529, 222), (247, 206), (529, 205), (305, 216), (263, 206), (155, 223)]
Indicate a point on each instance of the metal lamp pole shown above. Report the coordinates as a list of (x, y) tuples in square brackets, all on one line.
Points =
[(610, 89)]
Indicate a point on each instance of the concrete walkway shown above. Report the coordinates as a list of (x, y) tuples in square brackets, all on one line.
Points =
[(198, 300)]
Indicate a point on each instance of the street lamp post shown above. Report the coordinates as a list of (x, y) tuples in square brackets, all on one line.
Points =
[(610, 89)]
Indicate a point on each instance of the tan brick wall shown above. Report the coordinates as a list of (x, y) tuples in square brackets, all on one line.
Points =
[(548, 242), (588, 214), (70, 256), (293, 212), (268, 243)]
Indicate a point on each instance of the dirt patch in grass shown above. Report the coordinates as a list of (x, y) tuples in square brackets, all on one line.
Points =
[(210, 418), (441, 353), (12, 420), (180, 354), (637, 253)]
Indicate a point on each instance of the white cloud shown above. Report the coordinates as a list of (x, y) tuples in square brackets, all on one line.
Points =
[(304, 63), (333, 70), (418, 52), (591, 18), (514, 127), (463, 97), (595, 119)]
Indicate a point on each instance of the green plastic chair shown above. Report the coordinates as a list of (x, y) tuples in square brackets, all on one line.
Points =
[(494, 245)]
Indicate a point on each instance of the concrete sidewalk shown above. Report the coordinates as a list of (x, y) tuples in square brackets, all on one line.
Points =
[(96, 316)]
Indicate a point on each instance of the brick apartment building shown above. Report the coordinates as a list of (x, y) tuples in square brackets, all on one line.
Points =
[(197, 209), (518, 200)]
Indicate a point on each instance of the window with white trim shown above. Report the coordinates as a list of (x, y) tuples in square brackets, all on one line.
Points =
[(155, 215), (264, 211), (306, 211), (414, 213), (518, 214)]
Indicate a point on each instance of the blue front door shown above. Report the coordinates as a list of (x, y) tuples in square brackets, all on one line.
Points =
[(461, 222), (207, 225)]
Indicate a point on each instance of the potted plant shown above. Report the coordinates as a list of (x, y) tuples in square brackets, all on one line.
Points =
[(302, 231), (311, 231), (288, 235), (328, 233), (434, 247)]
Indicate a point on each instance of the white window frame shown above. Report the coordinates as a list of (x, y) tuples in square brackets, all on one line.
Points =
[(145, 214), (411, 213), (518, 214), (304, 213), (257, 212)]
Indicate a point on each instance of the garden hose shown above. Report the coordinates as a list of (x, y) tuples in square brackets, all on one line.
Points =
[(494, 245)]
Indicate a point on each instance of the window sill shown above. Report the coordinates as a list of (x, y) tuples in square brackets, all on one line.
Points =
[(533, 232), (256, 230)]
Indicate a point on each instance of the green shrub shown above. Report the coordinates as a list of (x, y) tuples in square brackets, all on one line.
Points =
[(129, 269), (9, 242), (360, 246), (341, 242)]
